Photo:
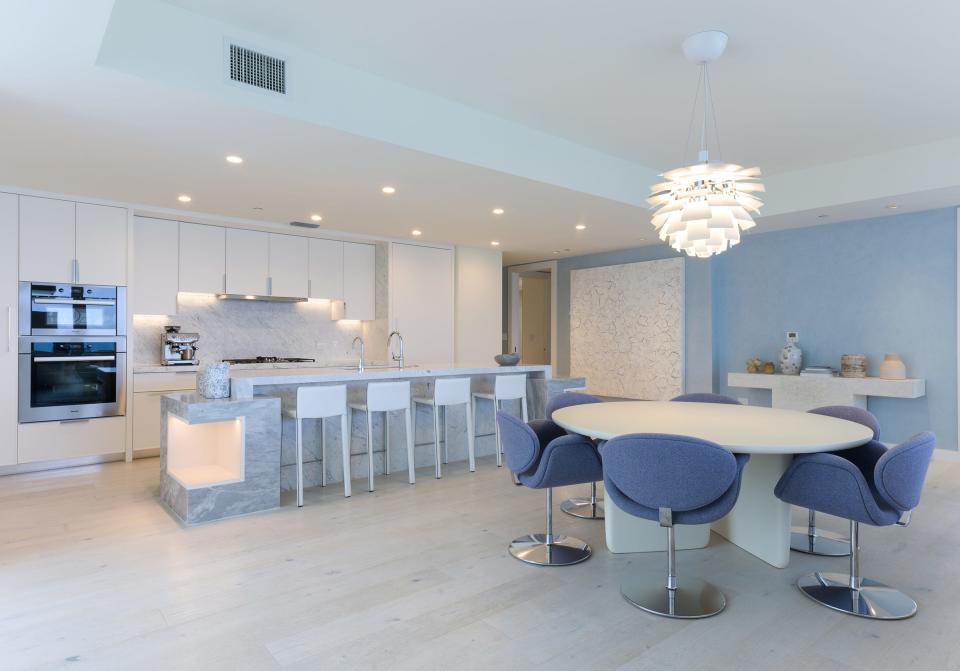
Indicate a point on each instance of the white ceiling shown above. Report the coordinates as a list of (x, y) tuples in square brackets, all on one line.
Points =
[(603, 75), (801, 84)]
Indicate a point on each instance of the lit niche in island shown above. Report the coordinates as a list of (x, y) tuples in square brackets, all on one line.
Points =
[(205, 454)]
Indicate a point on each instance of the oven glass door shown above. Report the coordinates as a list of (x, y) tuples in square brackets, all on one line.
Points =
[(64, 315), (62, 380)]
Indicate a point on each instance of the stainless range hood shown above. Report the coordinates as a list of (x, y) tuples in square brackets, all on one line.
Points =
[(273, 299)]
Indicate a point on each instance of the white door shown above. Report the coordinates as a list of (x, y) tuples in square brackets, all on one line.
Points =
[(359, 280), (8, 317), (47, 239), (101, 244), (248, 262), (326, 269), (156, 249), (202, 258), (289, 266), (421, 302), (535, 320)]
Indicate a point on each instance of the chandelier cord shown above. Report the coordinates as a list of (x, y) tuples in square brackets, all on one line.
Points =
[(693, 115), (708, 100)]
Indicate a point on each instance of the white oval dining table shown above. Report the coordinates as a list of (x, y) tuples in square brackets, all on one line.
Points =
[(759, 522)]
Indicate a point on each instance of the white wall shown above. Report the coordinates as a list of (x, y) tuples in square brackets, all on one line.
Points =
[(479, 297)]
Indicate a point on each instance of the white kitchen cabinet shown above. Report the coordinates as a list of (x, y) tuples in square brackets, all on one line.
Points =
[(326, 269), (289, 266), (359, 281), (148, 389), (51, 441), (9, 207), (421, 302), (62, 241), (248, 262), (156, 250), (101, 247), (202, 258), (47, 239)]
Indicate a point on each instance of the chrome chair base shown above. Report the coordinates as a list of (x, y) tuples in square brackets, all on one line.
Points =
[(693, 598), (561, 551), (873, 600), (583, 508), (822, 543)]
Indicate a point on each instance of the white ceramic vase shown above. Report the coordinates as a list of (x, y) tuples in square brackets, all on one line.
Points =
[(214, 380), (791, 358), (892, 367)]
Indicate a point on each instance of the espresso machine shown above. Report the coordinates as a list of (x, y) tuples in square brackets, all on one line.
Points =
[(178, 349)]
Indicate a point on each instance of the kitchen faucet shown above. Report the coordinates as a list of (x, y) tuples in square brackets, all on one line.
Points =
[(353, 346), (397, 358)]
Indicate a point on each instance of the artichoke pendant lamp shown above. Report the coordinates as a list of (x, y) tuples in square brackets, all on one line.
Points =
[(702, 208)]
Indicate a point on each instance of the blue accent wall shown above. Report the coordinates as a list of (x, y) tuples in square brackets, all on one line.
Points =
[(871, 286)]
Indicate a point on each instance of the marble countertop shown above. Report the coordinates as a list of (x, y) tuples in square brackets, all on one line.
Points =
[(338, 365)]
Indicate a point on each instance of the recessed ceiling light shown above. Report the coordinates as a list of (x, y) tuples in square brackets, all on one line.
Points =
[(822, 216), (581, 227), (416, 232), (495, 243), (234, 159), (184, 198), (498, 211), (257, 208), (892, 206), (316, 217), (556, 251), (388, 190)]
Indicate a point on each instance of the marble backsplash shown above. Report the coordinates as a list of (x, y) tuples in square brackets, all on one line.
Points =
[(238, 329)]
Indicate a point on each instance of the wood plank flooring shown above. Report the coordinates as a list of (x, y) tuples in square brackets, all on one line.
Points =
[(94, 574)]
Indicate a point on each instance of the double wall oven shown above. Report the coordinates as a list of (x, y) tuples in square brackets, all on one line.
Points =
[(72, 351)]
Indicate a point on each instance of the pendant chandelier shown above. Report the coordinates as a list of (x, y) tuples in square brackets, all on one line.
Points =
[(701, 209)]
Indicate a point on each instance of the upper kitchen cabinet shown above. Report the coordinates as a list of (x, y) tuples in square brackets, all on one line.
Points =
[(202, 258), (101, 244), (359, 281), (155, 260), (62, 241), (248, 262), (326, 269), (47, 240), (289, 266)]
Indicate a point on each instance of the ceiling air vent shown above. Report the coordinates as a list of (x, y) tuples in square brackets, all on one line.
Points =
[(256, 69)]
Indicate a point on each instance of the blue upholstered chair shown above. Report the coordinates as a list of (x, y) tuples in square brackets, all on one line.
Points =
[(820, 542), (564, 460), (672, 480), (879, 487), (705, 398), (590, 507)]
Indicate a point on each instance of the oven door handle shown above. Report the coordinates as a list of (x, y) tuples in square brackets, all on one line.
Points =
[(58, 359), (71, 301)]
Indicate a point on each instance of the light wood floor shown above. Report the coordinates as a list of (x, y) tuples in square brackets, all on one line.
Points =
[(94, 574)]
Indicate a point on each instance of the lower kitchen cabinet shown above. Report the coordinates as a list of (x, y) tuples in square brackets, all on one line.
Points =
[(148, 389), (52, 441)]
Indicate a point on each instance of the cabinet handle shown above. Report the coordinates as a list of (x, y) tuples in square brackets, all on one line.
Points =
[(75, 271), (74, 421), (224, 283), (309, 288), (9, 328), (269, 286)]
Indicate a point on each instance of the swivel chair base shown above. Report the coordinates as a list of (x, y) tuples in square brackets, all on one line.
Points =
[(822, 543), (693, 599), (560, 551), (873, 600), (584, 507)]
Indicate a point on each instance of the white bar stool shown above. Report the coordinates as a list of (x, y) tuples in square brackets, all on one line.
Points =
[(447, 392), (321, 403), (505, 388), (386, 397)]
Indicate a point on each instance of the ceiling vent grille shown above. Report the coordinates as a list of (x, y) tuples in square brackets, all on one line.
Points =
[(256, 69)]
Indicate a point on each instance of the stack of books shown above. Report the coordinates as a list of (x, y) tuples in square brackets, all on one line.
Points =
[(818, 371)]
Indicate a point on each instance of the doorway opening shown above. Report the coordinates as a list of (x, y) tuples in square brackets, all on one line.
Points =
[(532, 313)]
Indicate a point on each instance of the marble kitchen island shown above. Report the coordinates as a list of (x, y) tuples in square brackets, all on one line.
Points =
[(258, 397)]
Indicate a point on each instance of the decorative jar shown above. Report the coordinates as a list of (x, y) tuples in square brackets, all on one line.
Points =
[(214, 380), (791, 356), (892, 367), (853, 365)]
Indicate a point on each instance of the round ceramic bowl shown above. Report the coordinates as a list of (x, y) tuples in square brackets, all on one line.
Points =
[(507, 359)]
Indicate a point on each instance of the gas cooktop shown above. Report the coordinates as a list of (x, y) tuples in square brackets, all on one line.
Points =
[(270, 359)]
